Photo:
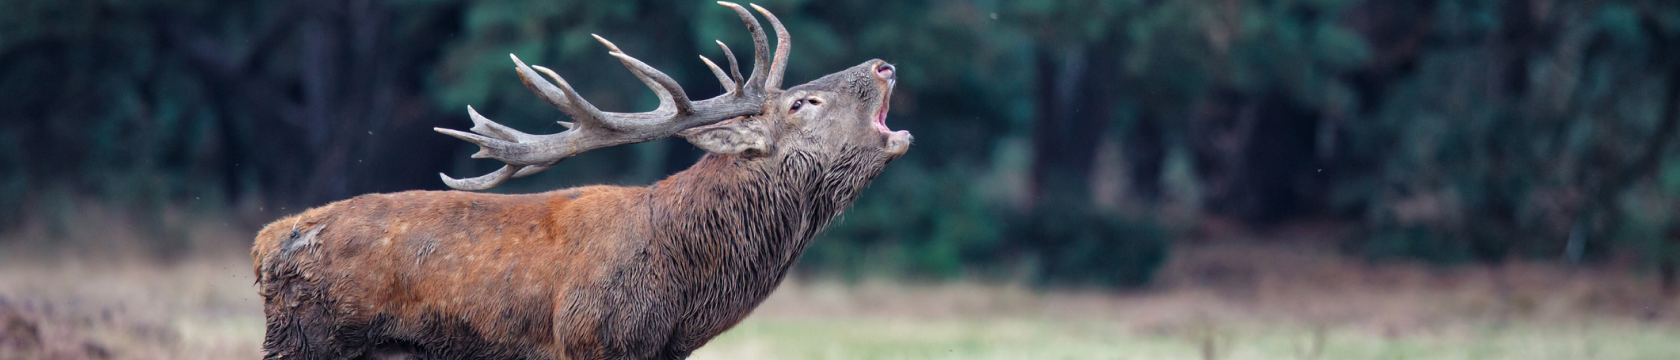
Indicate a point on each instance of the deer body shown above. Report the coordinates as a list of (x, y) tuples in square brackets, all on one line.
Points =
[(597, 272)]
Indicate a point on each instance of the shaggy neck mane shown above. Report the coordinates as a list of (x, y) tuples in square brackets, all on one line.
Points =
[(742, 221)]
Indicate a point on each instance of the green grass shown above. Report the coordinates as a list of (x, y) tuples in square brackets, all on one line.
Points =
[(889, 338)]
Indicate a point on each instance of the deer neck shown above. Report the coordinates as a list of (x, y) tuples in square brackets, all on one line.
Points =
[(737, 219)]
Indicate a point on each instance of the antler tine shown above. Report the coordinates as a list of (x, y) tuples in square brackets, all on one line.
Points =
[(494, 178), (734, 69), (528, 170), (728, 85), (486, 145), (563, 85), (671, 95), (482, 182), (562, 97), (783, 43), (492, 129), (761, 46), (527, 154)]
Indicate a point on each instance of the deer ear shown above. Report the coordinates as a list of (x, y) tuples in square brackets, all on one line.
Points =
[(731, 136)]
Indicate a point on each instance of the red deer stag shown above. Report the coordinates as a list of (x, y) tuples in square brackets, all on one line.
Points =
[(596, 272)]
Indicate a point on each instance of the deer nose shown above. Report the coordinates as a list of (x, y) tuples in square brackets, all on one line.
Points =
[(886, 71)]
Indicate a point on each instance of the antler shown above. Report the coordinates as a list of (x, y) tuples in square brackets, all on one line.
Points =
[(527, 154)]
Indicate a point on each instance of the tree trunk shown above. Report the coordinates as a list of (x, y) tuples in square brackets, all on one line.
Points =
[(1668, 264), (1145, 151), (1075, 93)]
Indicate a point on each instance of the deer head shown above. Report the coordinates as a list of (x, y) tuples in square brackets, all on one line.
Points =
[(754, 118)]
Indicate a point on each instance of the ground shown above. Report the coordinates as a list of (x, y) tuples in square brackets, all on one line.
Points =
[(1245, 299)]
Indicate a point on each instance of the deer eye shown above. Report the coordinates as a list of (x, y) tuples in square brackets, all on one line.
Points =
[(796, 105)]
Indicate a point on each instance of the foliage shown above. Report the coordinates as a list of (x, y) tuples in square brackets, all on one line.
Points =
[(938, 225), (912, 223), (1071, 245), (1494, 147)]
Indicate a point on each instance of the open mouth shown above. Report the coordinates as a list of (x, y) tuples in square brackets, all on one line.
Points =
[(897, 142), (887, 72), (881, 115)]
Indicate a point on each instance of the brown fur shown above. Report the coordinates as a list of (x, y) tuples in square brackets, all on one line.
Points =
[(594, 272)]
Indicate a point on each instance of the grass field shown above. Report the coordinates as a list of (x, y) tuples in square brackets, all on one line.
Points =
[(1211, 302), (882, 321), (890, 338)]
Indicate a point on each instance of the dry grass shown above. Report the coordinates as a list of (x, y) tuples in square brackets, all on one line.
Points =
[(100, 295), (202, 309), (1277, 301)]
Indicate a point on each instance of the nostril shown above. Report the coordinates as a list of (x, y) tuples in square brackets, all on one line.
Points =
[(885, 71)]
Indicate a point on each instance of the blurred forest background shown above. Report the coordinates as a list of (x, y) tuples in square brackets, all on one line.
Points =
[(1057, 141)]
